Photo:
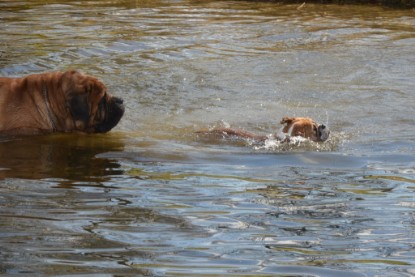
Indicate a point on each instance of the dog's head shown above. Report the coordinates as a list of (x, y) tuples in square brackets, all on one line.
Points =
[(91, 108), (305, 127)]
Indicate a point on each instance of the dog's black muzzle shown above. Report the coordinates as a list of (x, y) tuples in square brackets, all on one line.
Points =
[(323, 132), (113, 110)]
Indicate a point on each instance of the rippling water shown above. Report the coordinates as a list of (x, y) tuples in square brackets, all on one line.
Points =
[(154, 198)]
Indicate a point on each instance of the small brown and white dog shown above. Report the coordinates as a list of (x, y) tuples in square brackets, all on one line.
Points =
[(293, 127)]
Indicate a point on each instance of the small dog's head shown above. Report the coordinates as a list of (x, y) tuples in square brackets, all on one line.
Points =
[(305, 127)]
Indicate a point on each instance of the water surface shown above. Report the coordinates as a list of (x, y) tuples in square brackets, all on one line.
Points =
[(154, 198)]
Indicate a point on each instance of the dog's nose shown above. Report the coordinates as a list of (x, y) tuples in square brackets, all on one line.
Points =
[(322, 126)]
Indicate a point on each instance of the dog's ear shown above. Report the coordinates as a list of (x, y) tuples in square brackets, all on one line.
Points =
[(68, 78), (287, 120)]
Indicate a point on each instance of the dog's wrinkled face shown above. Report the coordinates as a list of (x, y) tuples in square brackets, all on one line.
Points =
[(305, 127), (92, 108)]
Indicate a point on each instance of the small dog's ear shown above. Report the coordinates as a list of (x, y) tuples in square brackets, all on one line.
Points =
[(287, 120)]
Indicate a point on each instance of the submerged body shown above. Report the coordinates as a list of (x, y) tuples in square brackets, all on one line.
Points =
[(293, 127)]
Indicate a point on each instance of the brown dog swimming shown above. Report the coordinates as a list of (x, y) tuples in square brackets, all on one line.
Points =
[(293, 127), (57, 102)]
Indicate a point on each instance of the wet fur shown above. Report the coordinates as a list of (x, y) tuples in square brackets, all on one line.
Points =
[(56, 102), (292, 127)]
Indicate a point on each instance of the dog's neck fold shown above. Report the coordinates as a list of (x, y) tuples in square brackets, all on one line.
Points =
[(48, 108)]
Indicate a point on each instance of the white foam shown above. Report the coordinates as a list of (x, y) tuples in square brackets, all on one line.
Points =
[(281, 135), (298, 143)]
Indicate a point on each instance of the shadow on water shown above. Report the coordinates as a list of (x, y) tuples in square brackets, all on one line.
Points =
[(61, 156)]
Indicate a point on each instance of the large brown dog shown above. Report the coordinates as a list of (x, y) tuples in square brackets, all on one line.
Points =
[(292, 127), (57, 102)]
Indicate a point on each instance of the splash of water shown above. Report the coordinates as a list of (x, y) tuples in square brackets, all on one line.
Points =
[(276, 142), (327, 118), (298, 144)]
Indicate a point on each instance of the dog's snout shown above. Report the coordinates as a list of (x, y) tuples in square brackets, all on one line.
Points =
[(323, 132), (118, 101)]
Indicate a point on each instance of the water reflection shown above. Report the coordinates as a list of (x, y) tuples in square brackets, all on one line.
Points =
[(63, 156)]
